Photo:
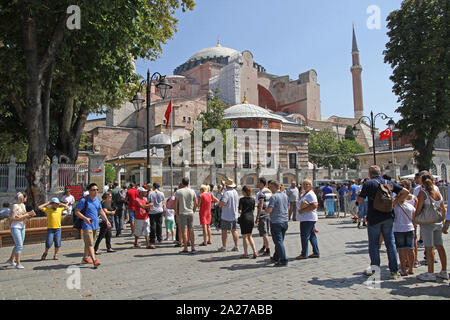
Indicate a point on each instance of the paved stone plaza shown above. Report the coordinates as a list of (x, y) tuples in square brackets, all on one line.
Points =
[(163, 273)]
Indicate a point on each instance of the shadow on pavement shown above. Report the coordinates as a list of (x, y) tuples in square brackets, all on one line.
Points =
[(54, 267), (74, 255), (359, 242), (237, 267), (400, 288), (362, 251), (358, 246), (222, 258)]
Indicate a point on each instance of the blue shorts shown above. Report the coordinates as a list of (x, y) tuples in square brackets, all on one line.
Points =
[(53, 236), (131, 214), (404, 240), (362, 210)]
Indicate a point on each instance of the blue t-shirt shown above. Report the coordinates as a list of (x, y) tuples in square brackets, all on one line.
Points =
[(92, 209), (369, 190), (342, 192), (326, 190), (354, 190), (280, 204)]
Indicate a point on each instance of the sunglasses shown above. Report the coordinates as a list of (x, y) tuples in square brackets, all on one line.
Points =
[(93, 190)]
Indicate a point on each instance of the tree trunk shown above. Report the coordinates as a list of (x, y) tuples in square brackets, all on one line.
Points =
[(70, 131), (34, 116)]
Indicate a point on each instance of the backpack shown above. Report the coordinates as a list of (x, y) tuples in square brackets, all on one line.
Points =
[(121, 196), (383, 201), (77, 222), (171, 202)]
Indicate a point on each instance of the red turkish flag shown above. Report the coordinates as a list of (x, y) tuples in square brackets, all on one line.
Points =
[(167, 115), (385, 134)]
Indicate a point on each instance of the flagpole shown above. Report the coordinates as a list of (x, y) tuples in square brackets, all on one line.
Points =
[(171, 143), (392, 148)]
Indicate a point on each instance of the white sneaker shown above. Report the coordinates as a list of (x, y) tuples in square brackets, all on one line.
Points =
[(19, 267), (11, 263), (222, 249), (443, 275), (427, 277)]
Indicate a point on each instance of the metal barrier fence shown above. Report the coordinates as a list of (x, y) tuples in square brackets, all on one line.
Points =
[(3, 177), (21, 181), (69, 174), (54, 177)]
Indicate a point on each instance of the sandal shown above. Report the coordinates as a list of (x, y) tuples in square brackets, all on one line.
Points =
[(136, 245), (110, 250), (203, 244), (254, 256), (209, 242), (44, 255), (55, 257), (244, 257)]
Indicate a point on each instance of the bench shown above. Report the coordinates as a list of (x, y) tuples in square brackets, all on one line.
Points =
[(36, 231)]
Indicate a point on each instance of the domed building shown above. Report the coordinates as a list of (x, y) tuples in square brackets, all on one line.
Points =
[(272, 103)]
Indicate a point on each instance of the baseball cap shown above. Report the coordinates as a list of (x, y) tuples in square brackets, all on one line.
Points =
[(54, 200), (156, 185)]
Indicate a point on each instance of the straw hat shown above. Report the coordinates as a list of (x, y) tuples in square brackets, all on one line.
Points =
[(229, 183)]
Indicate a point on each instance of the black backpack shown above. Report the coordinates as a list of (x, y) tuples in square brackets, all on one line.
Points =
[(77, 221)]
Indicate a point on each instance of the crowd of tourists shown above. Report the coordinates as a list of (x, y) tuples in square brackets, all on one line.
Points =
[(391, 217)]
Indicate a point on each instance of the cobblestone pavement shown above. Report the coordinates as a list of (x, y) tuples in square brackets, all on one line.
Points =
[(164, 273)]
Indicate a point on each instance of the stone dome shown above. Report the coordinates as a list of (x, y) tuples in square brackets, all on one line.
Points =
[(217, 54), (160, 140), (242, 111), (211, 52)]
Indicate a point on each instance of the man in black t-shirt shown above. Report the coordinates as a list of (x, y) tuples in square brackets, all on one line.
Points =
[(380, 222)]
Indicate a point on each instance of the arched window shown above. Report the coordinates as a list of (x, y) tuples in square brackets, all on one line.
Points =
[(433, 169)]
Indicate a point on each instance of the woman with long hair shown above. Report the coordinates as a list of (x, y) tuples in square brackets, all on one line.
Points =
[(432, 233), (105, 232), (17, 218), (412, 199), (404, 230), (246, 221)]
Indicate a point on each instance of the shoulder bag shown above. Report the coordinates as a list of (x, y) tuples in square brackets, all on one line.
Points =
[(429, 214)]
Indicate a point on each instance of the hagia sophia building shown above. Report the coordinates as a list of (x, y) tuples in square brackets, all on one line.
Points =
[(257, 100)]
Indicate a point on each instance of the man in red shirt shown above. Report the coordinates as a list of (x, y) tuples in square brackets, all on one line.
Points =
[(132, 194), (142, 221)]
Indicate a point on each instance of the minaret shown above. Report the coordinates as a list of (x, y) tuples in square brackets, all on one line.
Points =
[(356, 70)]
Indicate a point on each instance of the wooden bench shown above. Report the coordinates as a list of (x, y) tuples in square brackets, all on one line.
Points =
[(36, 231)]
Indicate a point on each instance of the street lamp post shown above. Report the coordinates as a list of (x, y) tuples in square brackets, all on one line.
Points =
[(372, 119), (163, 87)]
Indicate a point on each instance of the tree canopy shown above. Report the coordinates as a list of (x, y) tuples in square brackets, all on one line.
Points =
[(326, 150), (53, 77), (419, 53)]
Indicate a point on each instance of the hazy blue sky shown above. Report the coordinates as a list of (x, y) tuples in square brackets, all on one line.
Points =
[(289, 37)]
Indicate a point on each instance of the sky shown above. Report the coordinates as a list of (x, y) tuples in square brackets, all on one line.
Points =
[(289, 37)]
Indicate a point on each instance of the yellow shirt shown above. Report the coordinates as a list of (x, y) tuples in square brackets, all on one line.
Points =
[(54, 217)]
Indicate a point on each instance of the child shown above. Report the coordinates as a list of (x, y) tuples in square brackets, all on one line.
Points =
[(169, 221), (54, 214), (404, 234)]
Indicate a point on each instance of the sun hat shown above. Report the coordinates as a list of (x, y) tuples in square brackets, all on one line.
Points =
[(54, 200), (229, 183), (140, 189)]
